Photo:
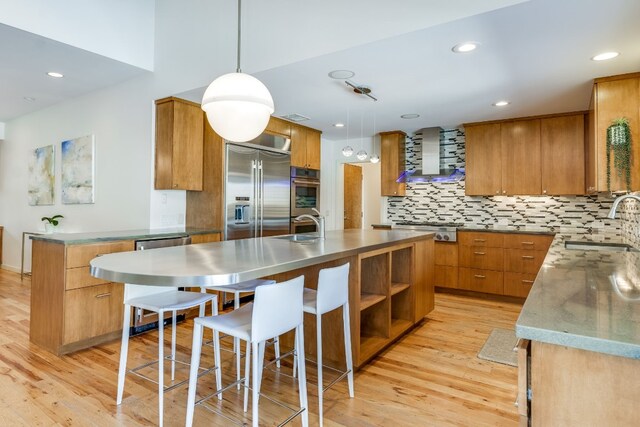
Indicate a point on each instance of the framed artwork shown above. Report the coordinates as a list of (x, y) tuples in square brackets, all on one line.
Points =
[(42, 176), (78, 171)]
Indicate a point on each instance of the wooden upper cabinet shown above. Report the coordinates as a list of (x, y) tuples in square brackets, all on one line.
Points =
[(305, 147), (179, 145), (521, 157), (279, 127), (484, 160), (562, 154), (392, 161), (614, 97)]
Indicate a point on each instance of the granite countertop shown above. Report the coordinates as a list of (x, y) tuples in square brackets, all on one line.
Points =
[(108, 236), (233, 261), (586, 299)]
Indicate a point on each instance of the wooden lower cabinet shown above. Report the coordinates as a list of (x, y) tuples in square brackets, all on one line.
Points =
[(573, 387), (518, 284), (484, 258), (92, 312), (446, 264), (486, 281), (205, 238)]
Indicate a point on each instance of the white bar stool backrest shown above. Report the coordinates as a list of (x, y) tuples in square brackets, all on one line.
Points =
[(135, 291), (277, 309), (333, 288)]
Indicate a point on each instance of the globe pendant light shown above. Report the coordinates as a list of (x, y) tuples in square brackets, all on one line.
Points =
[(238, 105)]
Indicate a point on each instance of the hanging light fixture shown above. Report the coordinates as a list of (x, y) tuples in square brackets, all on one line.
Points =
[(238, 105), (362, 154), (347, 151), (374, 157)]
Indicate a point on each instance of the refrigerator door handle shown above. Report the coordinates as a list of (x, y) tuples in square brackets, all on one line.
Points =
[(261, 189), (254, 203)]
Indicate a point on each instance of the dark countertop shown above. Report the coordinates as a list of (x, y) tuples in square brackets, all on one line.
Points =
[(110, 236)]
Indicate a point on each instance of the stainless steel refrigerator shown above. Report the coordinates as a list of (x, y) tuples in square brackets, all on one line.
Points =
[(257, 192)]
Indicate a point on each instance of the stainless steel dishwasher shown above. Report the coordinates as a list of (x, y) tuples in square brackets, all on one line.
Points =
[(144, 320)]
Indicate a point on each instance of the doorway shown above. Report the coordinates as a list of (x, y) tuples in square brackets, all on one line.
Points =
[(352, 196)]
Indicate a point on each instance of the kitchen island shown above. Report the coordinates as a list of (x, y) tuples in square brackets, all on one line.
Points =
[(580, 329), (390, 279)]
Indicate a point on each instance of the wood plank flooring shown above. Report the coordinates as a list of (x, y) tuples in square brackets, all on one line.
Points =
[(431, 377)]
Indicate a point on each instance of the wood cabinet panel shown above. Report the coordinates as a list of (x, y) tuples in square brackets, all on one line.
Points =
[(523, 347), (179, 145), (481, 239), (482, 258), (523, 260), (483, 160), (205, 238), (591, 147), (486, 281), (562, 155), (424, 279), (392, 162), (305, 147), (93, 311), (446, 254), (446, 276), (81, 255), (313, 149), (614, 99), (279, 127), (539, 242), (518, 284), (81, 277), (521, 157)]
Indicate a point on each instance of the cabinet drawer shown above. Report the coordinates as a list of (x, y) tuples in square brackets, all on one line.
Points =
[(486, 281), (446, 276), (446, 254), (518, 284), (81, 277), (478, 238), (484, 258), (205, 238), (80, 255), (91, 312), (528, 241), (523, 260)]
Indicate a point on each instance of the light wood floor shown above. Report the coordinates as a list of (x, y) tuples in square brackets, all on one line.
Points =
[(430, 378)]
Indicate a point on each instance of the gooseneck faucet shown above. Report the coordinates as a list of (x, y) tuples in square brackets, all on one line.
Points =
[(616, 202), (319, 221)]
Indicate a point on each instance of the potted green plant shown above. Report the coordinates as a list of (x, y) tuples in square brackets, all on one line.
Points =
[(51, 222), (619, 141)]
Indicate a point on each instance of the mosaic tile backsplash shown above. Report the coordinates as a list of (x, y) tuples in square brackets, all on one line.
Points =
[(446, 202)]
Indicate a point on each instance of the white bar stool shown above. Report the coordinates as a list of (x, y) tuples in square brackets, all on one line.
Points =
[(236, 289), (161, 299), (276, 309), (332, 293)]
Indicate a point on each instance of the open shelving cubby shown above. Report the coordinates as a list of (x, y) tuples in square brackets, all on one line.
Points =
[(375, 275), (402, 292)]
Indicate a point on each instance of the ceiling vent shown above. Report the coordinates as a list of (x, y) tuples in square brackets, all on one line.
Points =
[(295, 117)]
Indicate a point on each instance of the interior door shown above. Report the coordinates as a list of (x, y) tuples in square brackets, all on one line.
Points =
[(352, 196)]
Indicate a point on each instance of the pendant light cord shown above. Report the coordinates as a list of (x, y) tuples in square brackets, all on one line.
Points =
[(238, 70)]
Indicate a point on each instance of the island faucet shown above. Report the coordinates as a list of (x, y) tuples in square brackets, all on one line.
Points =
[(319, 221), (616, 202)]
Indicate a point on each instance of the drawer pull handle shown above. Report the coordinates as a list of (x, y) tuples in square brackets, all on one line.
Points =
[(527, 256), (479, 253), (105, 295), (527, 281), (479, 276), (479, 240), (97, 255), (528, 243)]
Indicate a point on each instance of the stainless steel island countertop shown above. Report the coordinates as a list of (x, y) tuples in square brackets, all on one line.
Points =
[(233, 261), (586, 299)]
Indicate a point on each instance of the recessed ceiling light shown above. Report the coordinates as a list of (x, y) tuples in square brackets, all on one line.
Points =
[(501, 103), (464, 47), (410, 116), (29, 99), (604, 56), (341, 74), (54, 74), (339, 125)]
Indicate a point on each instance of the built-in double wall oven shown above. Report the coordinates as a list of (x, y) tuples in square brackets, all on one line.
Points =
[(305, 191)]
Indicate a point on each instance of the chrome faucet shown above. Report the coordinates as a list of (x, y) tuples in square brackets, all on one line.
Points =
[(616, 202), (318, 220)]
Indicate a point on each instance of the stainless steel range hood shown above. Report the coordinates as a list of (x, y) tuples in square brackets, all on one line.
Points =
[(432, 170)]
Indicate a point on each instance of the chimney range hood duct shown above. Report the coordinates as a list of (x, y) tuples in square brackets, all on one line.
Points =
[(431, 170)]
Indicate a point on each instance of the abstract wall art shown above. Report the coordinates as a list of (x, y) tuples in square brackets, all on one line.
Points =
[(42, 176), (78, 170)]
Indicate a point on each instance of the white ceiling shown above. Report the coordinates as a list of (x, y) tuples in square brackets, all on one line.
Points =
[(534, 53)]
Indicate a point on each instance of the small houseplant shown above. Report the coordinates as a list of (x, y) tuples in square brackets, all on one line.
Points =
[(619, 141), (51, 222)]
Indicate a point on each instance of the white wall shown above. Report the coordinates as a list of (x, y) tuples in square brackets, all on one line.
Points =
[(1, 131), (90, 25), (371, 199)]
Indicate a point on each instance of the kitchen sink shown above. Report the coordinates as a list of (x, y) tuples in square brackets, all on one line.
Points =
[(598, 246), (299, 238)]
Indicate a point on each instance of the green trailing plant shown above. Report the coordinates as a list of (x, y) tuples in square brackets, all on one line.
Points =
[(619, 141), (52, 220)]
